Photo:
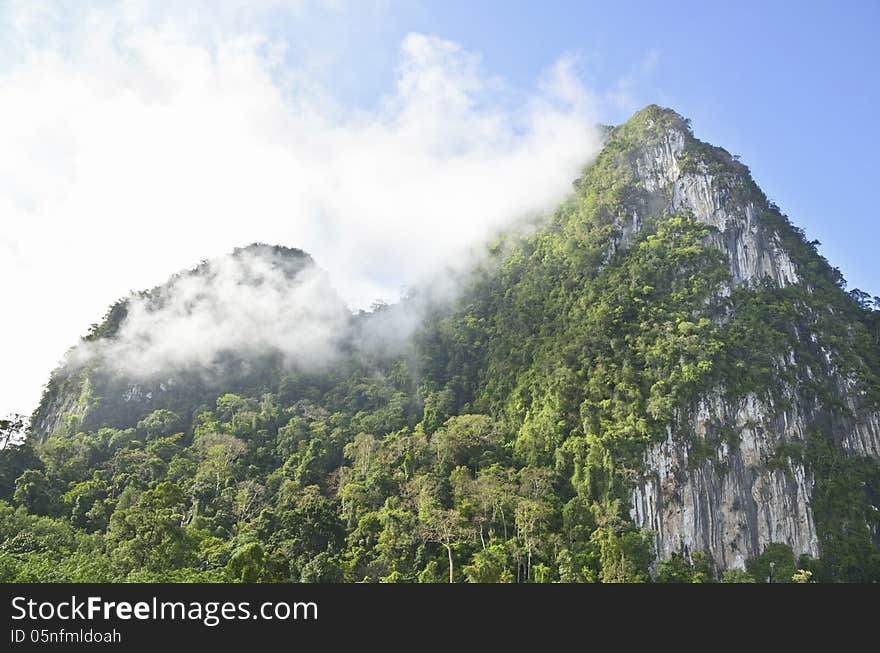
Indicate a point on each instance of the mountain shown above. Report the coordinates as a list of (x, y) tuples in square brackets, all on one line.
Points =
[(665, 381), (226, 325)]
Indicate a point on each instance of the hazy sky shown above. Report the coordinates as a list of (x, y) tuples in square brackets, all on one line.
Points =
[(137, 138)]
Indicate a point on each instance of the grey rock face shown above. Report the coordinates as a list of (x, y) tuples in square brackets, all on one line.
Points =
[(860, 437), (732, 504), (735, 501), (743, 496), (754, 252)]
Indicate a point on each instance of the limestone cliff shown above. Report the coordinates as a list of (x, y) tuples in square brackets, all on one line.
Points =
[(739, 497)]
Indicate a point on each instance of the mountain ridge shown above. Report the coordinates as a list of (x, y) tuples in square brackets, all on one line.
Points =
[(665, 381)]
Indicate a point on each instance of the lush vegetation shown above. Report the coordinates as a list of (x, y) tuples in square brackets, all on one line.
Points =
[(500, 445)]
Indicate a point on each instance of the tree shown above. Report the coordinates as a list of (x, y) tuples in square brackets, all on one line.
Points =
[(802, 576), (439, 405), (246, 563), (11, 428), (323, 568), (150, 534), (624, 553), (490, 565), (496, 493), (86, 502), (444, 528), (574, 568), (159, 424), (14, 460), (33, 491), (675, 570), (312, 463), (776, 564), (248, 501), (463, 439), (361, 451), (678, 569), (219, 451), (737, 576), (532, 522)]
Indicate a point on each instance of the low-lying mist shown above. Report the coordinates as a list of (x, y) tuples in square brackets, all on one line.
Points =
[(143, 142), (258, 302)]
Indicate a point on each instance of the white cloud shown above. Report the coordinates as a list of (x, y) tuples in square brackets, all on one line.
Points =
[(135, 141), (259, 300)]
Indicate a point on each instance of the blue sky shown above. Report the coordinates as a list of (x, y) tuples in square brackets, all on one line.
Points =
[(793, 88), (138, 137)]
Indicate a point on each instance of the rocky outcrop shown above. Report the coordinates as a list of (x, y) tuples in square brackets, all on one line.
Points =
[(753, 250), (859, 436), (718, 483), (734, 501), (749, 491)]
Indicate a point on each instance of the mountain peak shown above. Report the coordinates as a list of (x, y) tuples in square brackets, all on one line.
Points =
[(652, 124), (273, 250), (655, 168), (655, 116)]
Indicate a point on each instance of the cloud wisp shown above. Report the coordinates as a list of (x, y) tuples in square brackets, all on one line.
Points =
[(258, 300), (135, 142)]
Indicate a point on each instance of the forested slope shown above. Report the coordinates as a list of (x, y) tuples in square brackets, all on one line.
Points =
[(664, 382)]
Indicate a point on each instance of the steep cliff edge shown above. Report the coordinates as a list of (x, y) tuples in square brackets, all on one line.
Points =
[(738, 496), (672, 173), (679, 347)]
